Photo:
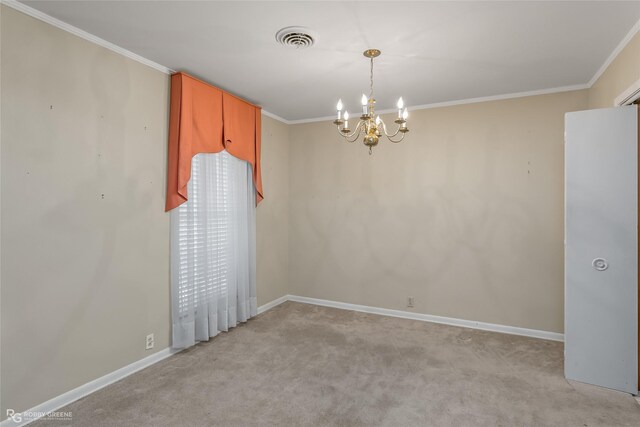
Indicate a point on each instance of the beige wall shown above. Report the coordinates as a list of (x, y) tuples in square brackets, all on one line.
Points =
[(272, 219), (85, 249), (466, 215), (86, 278), (620, 75)]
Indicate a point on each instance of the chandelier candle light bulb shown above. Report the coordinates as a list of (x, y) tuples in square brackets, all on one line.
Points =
[(372, 128)]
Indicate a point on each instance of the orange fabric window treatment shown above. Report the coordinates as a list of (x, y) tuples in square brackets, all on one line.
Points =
[(205, 119)]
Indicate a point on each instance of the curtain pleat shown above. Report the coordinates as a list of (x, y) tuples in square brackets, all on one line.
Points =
[(213, 250), (205, 119)]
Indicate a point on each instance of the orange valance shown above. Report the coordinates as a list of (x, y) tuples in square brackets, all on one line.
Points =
[(205, 119)]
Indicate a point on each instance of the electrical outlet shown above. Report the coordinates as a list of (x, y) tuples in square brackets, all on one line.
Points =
[(410, 302), (150, 342)]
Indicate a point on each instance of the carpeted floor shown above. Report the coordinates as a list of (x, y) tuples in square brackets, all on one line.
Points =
[(304, 365)]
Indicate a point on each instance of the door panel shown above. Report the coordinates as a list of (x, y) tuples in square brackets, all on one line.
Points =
[(601, 192)]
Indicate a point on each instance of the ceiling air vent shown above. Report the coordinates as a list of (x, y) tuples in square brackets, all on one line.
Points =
[(296, 37)]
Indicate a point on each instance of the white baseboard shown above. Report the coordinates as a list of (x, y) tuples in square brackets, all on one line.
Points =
[(270, 305), (553, 336), (88, 388), (95, 385)]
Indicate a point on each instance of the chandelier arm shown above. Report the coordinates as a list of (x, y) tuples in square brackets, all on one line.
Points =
[(355, 134), (398, 140), (384, 128), (345, 135)]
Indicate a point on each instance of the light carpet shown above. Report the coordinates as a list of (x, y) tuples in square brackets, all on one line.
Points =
[(305, 365)]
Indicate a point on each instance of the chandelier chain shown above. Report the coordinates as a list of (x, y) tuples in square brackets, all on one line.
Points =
[(371, 89)]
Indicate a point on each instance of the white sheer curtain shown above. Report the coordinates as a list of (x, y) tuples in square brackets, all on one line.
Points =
[(213, 273)]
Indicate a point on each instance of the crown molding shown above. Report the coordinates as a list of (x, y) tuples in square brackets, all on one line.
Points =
[(631, 94), (276, 117), (14, 4), (34, 13), (463, 101), (497, 97), (623, 43)]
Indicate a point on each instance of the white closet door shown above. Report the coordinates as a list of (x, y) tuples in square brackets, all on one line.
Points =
[(601, 247)]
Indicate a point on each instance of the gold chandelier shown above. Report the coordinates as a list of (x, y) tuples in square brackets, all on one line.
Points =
[(372, 128)]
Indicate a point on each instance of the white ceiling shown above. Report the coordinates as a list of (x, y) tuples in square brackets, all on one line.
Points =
[(432, 52)]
